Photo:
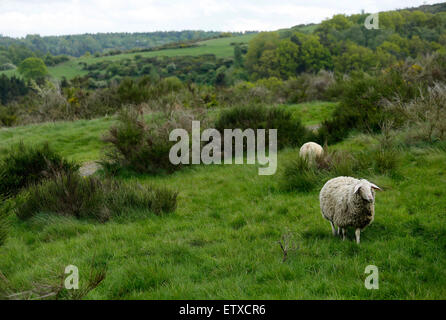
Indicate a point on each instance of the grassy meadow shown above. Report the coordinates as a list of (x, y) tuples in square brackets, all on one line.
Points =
[(222, 241)]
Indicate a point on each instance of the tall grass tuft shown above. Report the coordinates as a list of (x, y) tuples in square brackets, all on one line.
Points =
[(385, 160), (4, 225), (158, 200), (299, 175)]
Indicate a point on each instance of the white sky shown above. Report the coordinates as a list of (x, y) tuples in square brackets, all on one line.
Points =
[(51, 17)]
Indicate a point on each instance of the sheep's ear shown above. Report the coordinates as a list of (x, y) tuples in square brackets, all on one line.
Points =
[(357, 188), (374, 186)]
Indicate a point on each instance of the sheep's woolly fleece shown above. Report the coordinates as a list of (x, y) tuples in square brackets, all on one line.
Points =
[(310, 151), (348, 202)]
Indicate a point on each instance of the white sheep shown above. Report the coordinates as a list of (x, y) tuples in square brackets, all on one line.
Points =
[(348, 202), (310, 151)]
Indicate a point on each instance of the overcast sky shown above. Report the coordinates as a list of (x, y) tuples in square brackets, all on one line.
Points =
[(51, 17)]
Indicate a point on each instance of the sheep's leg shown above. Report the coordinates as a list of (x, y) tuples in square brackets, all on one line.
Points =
[(358, 235), (333, 228), (344, 233), (339, 230)]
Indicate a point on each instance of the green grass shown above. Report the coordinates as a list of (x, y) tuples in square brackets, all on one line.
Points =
[(79, 140), (220, 47), (313, 113), (221, 243)]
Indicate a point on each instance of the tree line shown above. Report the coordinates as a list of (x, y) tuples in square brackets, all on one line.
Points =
[(343, 44)]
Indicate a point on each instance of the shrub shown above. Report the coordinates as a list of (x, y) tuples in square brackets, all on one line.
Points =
[(26, 165), (290, 131), (140, 146), (169, 85), (8, 118), (425, 114), (66, 194), (427, 69), (131, 91), (69, 194), (308, 87), (361, 105)]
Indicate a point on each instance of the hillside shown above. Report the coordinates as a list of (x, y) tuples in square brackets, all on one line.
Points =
[(221, 48), (79, 44)]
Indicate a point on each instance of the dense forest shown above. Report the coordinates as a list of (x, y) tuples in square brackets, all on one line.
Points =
[(343, 44)]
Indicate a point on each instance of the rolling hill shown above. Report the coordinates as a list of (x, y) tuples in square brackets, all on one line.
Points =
[(220, 47)]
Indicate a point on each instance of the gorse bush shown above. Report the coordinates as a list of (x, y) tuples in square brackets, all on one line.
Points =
[(290, 131), (69, 194), (133, 147), (427, 69), (140, 146), (425, 114), (66, 194), (26, 165)]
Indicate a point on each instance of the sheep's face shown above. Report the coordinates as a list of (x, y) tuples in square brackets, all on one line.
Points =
[(366, 190)]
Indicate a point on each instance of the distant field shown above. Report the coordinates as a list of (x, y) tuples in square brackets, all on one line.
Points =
[(220, 47)]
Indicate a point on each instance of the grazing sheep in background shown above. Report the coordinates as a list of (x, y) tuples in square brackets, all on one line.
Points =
[(311, 151), (348, 202)]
